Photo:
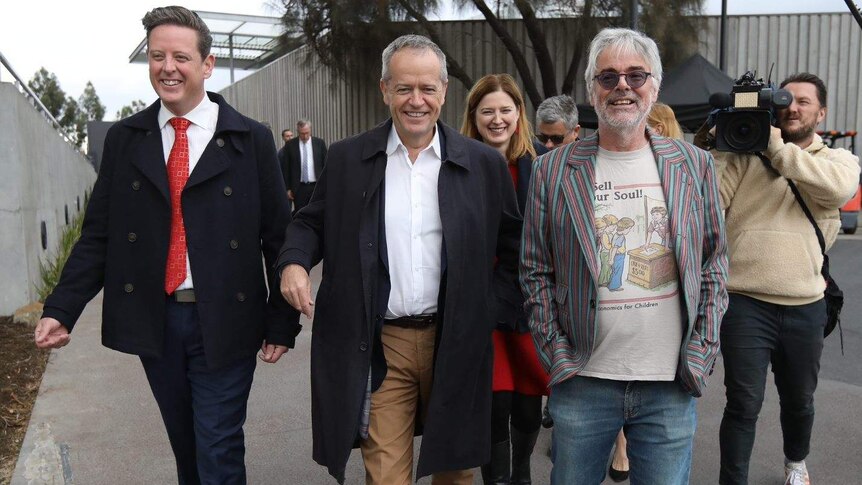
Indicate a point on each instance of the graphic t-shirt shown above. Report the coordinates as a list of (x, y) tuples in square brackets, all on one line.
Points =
[(639, 315)]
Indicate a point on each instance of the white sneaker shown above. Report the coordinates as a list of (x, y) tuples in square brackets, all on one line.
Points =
[(795, 473)]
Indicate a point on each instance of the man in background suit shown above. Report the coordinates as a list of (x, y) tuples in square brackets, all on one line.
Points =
[(302, 164), (187, 200), (286, 135)]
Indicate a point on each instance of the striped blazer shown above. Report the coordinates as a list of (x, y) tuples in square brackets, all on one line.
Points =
[(560, 264)]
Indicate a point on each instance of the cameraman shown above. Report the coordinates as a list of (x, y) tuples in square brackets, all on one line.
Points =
[(777, 312)]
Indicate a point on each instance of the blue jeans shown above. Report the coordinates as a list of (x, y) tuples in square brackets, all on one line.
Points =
[(658, 417), (754, 334)]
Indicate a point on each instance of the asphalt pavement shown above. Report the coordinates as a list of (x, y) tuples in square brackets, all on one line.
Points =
[(96, 423)]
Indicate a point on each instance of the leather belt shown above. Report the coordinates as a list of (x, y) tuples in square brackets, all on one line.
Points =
[(413, 321), (183, 296)]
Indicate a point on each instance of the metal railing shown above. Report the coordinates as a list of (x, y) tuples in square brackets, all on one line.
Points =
[(22, 86)]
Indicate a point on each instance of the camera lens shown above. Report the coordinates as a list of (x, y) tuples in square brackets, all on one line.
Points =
[(743, 131)]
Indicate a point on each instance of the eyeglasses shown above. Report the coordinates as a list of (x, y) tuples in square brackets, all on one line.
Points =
[(555, 139), (634, 79)]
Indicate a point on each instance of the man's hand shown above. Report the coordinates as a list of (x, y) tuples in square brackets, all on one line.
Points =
[(51, 334), (270, 353), (290, 194), (775, 136), (296, 289)]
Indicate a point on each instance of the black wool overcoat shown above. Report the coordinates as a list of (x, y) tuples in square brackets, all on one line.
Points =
[(343, 226)]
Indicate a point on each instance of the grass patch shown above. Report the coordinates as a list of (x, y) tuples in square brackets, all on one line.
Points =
[(51, 269)]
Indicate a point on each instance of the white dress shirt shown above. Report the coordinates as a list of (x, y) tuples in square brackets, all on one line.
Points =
[(201, 129), (310, 176), (414, 232)]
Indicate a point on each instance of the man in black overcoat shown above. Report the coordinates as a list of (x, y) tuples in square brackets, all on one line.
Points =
[(188, 198), (409, 219)]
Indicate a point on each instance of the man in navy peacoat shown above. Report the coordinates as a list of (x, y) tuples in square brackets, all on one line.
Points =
[(197, 342)]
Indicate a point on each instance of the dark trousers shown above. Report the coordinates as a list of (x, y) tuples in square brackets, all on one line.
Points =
[(203, 409), (525, 412), (754, 334), (302, 196)]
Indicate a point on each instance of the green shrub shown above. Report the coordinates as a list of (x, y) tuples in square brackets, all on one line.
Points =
[(50, 270)]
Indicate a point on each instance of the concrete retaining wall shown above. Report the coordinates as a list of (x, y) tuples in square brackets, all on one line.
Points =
[(42, 178)]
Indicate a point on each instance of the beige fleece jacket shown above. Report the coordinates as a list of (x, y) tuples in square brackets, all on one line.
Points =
[(773, 250)]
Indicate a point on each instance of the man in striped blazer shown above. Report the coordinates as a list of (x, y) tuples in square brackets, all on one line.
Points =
[(626, 325)]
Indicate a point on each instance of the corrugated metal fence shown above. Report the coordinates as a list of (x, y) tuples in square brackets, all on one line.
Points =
[(296, 86)]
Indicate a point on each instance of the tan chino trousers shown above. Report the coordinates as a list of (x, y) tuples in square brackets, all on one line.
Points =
[(388, 450)]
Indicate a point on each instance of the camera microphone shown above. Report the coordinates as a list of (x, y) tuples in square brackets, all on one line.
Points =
[(720, 100)]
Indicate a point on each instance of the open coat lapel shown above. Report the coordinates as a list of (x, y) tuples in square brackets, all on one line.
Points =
[(372, 222), (678, 184), (216, 158), (149, 156), (578, 187)]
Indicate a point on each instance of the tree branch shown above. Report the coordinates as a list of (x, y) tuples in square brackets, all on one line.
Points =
[(453, 67), (511, 46), (585, 30), (540, 47)]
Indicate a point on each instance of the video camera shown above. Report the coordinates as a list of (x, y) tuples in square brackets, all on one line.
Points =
[(743, 118)]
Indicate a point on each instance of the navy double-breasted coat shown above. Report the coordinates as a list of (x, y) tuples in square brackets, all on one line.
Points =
[(235, 209)]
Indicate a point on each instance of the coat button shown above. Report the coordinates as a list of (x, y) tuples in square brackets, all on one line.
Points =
[(240, 296), (219, 142), (228, 191), (133, 237), (128, 287), (363, 346), (234, 244), (379, 316), (136, 185), (370, 245)]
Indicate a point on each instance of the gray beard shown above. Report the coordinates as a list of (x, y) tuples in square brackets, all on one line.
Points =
[(621, 126)]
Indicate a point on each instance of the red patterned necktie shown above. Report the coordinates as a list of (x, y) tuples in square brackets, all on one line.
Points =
[(178, 173)]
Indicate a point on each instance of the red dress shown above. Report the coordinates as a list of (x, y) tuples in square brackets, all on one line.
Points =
[(516, 364)]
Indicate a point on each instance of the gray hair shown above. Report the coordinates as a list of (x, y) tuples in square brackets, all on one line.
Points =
[(181, 17), (303, 123), (412, 41), (624, 41), (558, 108)]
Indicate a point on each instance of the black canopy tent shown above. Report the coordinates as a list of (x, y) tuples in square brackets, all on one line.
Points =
[(686, 89)]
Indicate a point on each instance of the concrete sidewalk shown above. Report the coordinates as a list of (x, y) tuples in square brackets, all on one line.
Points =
[(96, 423)]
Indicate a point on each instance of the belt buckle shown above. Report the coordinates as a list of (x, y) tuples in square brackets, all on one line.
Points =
[(414, 321), (184, 296)]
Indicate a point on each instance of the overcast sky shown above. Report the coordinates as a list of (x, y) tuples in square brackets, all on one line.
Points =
[(72, 39)]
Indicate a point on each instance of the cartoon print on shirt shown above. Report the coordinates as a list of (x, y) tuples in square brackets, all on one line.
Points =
[(605, 236), (618, 252), (658, 226), (633, 239)]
